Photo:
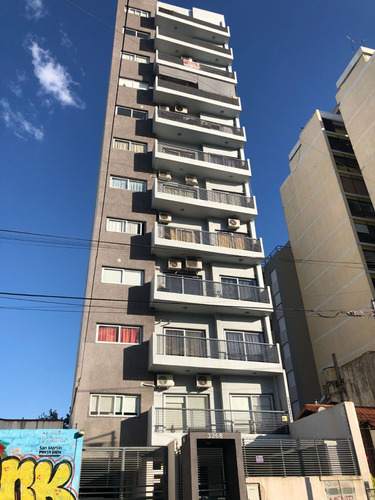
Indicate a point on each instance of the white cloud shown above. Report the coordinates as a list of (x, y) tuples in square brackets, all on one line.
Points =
[(15, 88), (17, 123), (54, 79), (21, 75), (35, 9), (65, 40)]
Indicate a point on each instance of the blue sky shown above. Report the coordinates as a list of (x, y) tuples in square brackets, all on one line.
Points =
[(55, 67)]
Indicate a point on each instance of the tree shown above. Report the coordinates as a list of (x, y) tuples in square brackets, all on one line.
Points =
[(53, 415)]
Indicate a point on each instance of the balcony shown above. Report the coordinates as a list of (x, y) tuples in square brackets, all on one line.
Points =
[(175, 43), (196, 100), (194, 67), (187, 25), (183, 161), (171, 292), (173, 197), (226, 247), (176, 420), (218, 356), (170, 126)]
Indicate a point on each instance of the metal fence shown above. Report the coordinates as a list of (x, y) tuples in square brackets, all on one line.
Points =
[(195, 41), (238, 200), (299, 457), (193, 154), (124, 473), (201, 93), (201, 347), (202, 67), (197, 122), (235, 241), (199, 420), (193, 286)]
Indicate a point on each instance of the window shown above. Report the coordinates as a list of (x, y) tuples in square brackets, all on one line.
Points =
[(119, 334), (340, 144), (354, 185), (128, 184), (181, 342), (137, 12), (135, 57), (133, 84), (133, 113), (137, 33), (361, 208), (369, 258), (183, 413), (251, 413), (239, 289), (246, 346), (366, 232), (113, 405), (124, 226), (136, 147), (122, 276)]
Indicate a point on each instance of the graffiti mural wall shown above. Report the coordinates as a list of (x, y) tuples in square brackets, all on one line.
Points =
[(40, 464)]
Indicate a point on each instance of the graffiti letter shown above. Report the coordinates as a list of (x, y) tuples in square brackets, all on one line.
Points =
[(34, 480), (16, 474), (50, 481)]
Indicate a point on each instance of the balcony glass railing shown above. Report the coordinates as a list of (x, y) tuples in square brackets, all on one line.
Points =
[(193, 19), (203, 67), (197, 122), (237, 200), (193, 154), (248, 422), (198, 347), (195, 41), (222, 240), (186, 285), (200, 93)]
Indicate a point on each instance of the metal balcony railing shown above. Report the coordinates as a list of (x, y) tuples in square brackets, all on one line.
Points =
[(201, 347), (195, 41), (196, 65), (186, 285), (200, 93), (193, 19), (197, 122), (223, 240), (234, 199), (193, 154), (247, 422)]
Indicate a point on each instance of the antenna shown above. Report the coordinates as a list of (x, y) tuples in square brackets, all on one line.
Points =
[(353, 42)]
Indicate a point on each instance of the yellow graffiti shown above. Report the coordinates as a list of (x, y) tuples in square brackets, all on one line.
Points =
[(31, 480)]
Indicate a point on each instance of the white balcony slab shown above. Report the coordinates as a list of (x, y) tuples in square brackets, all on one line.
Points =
[(172, 126)]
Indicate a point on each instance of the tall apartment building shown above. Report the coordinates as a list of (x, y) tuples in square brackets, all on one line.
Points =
[(290, 329), (331, 223), (175, 335)]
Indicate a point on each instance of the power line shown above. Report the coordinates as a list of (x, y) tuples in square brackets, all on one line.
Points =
[(29, 297), (86, 243)]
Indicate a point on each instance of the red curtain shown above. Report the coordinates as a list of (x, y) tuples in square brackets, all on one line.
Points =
[(129, 335), (107, 334)]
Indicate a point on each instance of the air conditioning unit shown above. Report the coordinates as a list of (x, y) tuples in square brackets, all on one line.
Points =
[(164, 218), (165, 108), (181, 109), (174, 265), (234, 224), (191, 180), (203, 381), (193, 264), (164, 175), (164, 380)]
